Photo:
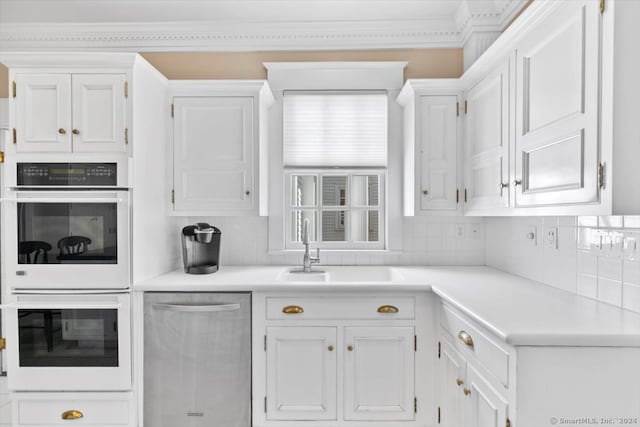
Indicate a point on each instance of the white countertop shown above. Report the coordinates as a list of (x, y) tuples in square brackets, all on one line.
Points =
[(517, 310)]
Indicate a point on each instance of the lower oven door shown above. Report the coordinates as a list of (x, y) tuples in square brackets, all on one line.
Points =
[(69, 342), (66, 239)]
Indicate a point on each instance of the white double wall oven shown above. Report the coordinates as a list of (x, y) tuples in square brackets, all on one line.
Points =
[(65, 261)]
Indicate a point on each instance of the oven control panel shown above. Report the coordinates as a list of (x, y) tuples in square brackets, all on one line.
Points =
[(68, 174)]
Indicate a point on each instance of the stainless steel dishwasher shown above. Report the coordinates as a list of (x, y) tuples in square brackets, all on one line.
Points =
[(197, 359)]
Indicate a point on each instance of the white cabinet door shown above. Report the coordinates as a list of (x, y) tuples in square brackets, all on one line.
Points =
[(99, 112), (213, 153), (484, 407), (43, 113), (487, 142), (557, 108), (452, 375), (301, 373), (438, 149), (379, 373)]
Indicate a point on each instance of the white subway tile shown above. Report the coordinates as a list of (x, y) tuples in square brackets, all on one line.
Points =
[(587, 221), (610, 291), (631, 272), (631, 297), (588, 286), (610, 221), (587, 263), (610, 268), (632, 221)]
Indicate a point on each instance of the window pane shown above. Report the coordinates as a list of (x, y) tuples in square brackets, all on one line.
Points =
[(364, 190), (334, 190), (303, 190), (364, 226), (333, 226), (297, 225)]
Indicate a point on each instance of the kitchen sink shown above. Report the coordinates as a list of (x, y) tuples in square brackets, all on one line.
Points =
[(341, 274)]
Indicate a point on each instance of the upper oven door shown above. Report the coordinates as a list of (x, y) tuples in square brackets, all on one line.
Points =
[(66, 239), (69, 342)]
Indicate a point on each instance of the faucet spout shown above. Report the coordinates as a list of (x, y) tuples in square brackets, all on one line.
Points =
[(308, 260)]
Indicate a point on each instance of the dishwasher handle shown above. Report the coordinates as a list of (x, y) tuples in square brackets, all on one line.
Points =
[(199, 308)]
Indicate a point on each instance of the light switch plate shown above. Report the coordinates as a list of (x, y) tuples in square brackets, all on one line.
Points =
[(531, 235)]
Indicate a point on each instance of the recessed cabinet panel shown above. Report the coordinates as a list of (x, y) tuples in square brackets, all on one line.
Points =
[(301, 373), (438, 152), (213, 158), (43, 112), (556, 147), (487, 142), (556, 166), (379, 373), (452, 374), (485, 407), (99, 112)]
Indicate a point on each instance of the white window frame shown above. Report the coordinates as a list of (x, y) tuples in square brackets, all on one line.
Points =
[(319, 208)]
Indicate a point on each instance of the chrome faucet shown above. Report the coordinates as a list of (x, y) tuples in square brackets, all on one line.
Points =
[(308, 260)]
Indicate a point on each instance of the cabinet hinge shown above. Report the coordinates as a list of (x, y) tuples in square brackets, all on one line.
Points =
[(265, 404), (265, 343), (415, 343), (126, 89), (439, 416), (465, 195), (126, 135), (457, 108), (1, 156), (457, 196), (601, 175), (15, 136), (3, 343), (602, 6), (171, 110), (439, 349), (508, 423), (465, 107), (173, 196), (14, 89), (415, 405)]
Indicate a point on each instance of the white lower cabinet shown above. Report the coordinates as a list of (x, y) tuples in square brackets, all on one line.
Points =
[(341, 361), (93, 409), (484, 406), (301, 373)]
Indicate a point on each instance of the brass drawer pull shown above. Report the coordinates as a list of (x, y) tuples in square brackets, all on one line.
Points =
[(465, 338), (466, 391), (459, 382), (293, 309), (388, 309), (72, 415)]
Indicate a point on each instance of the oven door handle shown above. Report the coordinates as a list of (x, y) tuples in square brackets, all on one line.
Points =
[(204, 308), (63, 200)]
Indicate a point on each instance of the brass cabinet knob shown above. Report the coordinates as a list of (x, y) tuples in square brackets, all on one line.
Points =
[(350, 347), (330, 348), (75, 132), (61, 131), (246, 193), (504, 185), (466, 391), (388, 309), (459, 382), (293, 309), (465, 338), (72, 414), (517, 182), (425, 192)]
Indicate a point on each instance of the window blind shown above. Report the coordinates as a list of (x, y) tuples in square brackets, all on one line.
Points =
[(335, 129)]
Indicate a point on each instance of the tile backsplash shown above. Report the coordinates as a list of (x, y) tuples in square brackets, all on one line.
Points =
[(597, 257), (426, 241)]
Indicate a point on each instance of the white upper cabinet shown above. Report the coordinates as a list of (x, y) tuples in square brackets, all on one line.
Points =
[(487, 142), (556, 141), (379, 373), (217, 137), (431, 147), (71, 113)]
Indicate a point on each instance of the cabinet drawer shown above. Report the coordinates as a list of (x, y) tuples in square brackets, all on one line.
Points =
[(479, 347), (94, 412), (383, 308)]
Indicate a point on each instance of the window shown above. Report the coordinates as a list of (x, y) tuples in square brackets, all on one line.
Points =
[(335, 157)]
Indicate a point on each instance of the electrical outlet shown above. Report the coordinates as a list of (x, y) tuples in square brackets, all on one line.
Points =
[(474, 231), (460, 231), (532, 235), (551, 238)]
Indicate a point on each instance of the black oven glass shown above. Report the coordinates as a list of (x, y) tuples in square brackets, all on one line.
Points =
[(67, 233), (68, 337)]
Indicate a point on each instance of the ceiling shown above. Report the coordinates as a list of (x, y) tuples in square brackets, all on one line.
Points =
[(161, 25)]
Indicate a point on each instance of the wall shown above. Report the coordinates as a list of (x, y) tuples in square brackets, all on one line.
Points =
[(427, 241), (597, 257)]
